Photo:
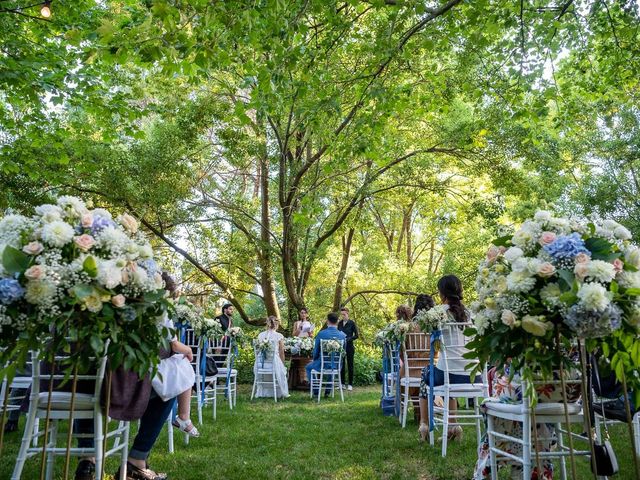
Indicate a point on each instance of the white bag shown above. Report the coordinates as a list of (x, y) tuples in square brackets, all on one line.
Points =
[(174, 376)]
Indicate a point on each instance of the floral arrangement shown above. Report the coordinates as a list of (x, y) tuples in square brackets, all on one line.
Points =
[(558, 278), (432, 319), (299, 346), (263, 346), (332, 346), (186, 313), (207, 327), (69, 273), (394, 332), (237, 335)]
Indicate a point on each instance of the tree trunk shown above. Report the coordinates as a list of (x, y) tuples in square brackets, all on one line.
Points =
[(264, 258), (346, 253)]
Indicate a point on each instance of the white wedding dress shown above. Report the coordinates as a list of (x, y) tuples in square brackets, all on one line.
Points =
[(264, 389)]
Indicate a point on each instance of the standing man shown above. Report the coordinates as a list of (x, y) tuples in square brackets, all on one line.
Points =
[(349, 328), (225, 318)]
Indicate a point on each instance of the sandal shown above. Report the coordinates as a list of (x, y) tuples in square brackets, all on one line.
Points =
[(135, 473), (183, 425), (423, 431)]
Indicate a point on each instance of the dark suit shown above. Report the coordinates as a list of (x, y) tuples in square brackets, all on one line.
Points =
[(225, 321), (350, 329)]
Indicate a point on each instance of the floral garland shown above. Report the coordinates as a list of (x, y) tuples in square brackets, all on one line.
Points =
[(69, 273)]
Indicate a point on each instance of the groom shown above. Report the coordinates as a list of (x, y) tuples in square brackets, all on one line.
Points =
[(329, 333)]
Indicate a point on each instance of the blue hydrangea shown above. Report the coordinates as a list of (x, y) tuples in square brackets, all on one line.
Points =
[(10, 291), (129, 314), (100, 223), (593, 324), (566, 246), (150, 266)]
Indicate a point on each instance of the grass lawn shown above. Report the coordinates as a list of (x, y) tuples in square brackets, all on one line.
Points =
[(299, 439)]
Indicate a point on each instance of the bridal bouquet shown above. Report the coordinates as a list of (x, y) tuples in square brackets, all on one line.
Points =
[(72, 274), (432, 319), (558, 277), (207, 327)]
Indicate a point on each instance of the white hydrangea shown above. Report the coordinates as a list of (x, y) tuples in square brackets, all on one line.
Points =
[(561, 225), (145, 251), (622, 233), (527, 236), (600, 271), (594, 297), (512, 254), (520, 265), (49, 213), (481, 322), (139, 277), (57, 233), (610, 225), (109, 273), (11, 227), (542, 216), (520, 282)]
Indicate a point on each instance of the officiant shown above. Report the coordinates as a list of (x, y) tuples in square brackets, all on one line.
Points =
[(350, 329)]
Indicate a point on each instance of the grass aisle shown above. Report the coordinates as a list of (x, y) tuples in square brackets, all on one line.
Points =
[(299, 439)]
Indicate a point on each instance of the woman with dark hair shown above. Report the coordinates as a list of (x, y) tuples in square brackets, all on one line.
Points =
[(423, 302), (450, 290), (303, 326)]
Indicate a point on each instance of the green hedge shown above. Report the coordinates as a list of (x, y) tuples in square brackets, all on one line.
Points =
[(368, 361)]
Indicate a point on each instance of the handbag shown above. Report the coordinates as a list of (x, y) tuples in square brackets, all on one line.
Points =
[(174, 376), (605, 462), (211, 368)]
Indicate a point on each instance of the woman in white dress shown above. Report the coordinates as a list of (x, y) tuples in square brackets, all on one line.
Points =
[(303, 327), (276, 358)]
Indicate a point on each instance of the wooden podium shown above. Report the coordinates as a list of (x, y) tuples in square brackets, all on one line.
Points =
[(297, 374)]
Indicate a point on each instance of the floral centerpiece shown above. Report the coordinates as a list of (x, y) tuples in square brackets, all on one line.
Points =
[(431, 319), (299, 346), (72, 274), (263, 348), (558, 278), (237, 335), (332, 346), (394, 332)]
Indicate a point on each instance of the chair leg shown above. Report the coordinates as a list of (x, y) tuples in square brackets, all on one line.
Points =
[(170, 433), (476, 411), (215, 398), (492, 444), (405, 405), (445, 425), (275, 390), (526, 446), (563, 462), (36, 430), (98, 439), (254, 387), (199, 402), (51, 458), (27, 437), (124, 452), (341, 392)]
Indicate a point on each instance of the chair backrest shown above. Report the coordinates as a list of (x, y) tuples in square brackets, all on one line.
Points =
[(391, 352), (262, 358), (331, 360), (452, 347), (223, 349), (415, 354), (58, 376), (191, 340), (22, 380)]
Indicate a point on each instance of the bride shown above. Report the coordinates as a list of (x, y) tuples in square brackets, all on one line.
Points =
[(277, 356)]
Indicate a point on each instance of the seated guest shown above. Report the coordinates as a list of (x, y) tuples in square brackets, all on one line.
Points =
[(450, 290), (329, 333), (505, 391), (303, 326), (277, 347)]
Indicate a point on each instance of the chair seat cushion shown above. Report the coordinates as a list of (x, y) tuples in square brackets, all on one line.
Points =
[(62, 401), (541, 408)]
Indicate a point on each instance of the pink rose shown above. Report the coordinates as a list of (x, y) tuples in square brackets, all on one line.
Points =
[(581, 270), (582, 258), (118, 301), (84, 242), (546, 270), (547, 237), (86, 220), (33, 248), (35, 272), (618, 266)]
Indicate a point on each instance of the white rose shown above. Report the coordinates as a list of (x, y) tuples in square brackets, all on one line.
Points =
[(512, 254), (128, 222), (546, 270), (32, 248), (594, 297), (145, 251), (508, 318), (36, 272)]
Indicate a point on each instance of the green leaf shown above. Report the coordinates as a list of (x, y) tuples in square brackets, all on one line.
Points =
[(82, 291), (90, 266), (503, 241), (15, 261)]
